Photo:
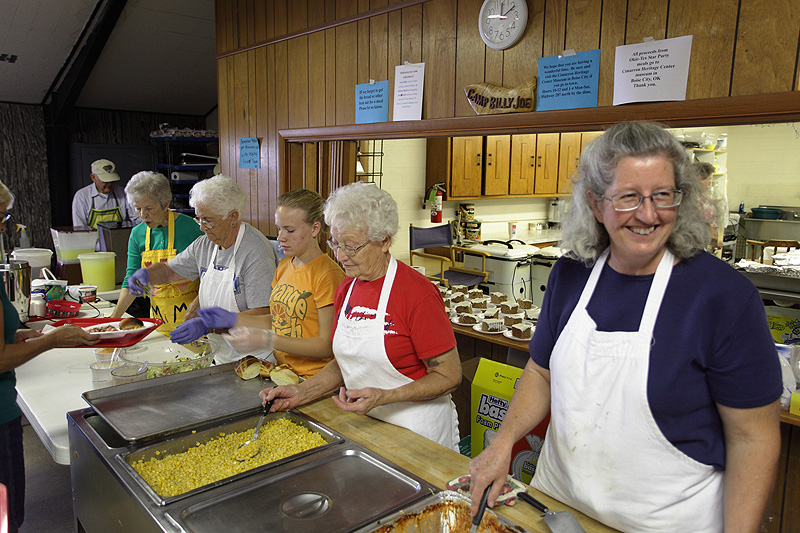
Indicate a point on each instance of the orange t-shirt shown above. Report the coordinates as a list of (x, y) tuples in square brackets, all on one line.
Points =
[(297, 296)]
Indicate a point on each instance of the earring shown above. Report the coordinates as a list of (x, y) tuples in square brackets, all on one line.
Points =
[(233, 224)]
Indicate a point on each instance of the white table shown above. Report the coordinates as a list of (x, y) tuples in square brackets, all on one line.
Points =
[(50, 385)]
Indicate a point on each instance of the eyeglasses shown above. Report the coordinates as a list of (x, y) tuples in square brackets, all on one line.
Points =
[(349, 251), (6, 216), (630, 201), (205, 221)]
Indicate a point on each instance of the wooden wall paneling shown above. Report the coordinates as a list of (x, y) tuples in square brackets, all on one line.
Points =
[(412, 34), (470, 56), (270, 18), (250, 14), (439, 55), (378, 43), (246, 27), (260, 20), (346, 72), (281, 15), (394, 50), (582, 31), (713, 30), (555, 21), (23, 169), (273, 177), (310, 178), (521, 61), (612, 34), (241, 122), (362, 50), (316, 12), (297, 15), (233, 24), (646, 18), (221, 26), (260, 125), (493, 66), (766, 65), (317, 86), (226, 131), (295, 165), (299, 90), (252, 123), (791, 513), (330, 77)]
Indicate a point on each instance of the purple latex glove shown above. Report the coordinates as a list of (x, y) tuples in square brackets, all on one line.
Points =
[(217, 317), (189, 331), (138, 281)]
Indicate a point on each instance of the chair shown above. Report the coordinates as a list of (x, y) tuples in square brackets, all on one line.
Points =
[(442, 237), (757, 247)]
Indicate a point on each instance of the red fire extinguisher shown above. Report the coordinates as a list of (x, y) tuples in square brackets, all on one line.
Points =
[(435, 195)]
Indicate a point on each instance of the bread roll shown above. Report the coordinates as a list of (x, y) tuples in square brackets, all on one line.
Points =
[(130, 323), (266, 368), (248, 367), (283, 375)]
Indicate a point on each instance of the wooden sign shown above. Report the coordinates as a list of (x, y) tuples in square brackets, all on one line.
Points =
[(491, 99)]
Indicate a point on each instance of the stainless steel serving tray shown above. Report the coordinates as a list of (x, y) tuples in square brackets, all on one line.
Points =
[(334, 492), (156, 408), (438, 513), (180, 444)]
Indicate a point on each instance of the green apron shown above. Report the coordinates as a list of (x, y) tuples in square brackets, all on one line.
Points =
[(104, 215)]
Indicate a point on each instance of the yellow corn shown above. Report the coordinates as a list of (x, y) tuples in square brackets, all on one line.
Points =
[(207, 463)]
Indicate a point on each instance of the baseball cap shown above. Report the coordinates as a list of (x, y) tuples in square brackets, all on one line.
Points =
[(105, 170)]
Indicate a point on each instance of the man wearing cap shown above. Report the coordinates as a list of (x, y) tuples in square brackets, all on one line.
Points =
[(102, 200)]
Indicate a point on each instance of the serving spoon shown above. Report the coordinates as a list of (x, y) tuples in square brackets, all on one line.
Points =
[(242, 454)]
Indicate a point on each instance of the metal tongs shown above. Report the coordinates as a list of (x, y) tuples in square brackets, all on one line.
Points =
[(149, 292), (242, 454)]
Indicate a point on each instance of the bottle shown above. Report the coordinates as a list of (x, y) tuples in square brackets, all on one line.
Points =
[(24, 238), (38, 307), (741, 208)]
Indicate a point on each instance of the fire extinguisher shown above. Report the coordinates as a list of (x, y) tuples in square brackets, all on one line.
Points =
[(435, 195)]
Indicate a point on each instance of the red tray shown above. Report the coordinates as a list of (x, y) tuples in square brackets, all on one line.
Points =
[(130, 339)]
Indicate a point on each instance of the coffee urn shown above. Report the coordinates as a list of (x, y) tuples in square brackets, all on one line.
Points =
[(17, 283), (555, 212)]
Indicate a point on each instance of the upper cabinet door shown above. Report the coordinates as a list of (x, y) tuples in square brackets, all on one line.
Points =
[(496, 164), (523, 164), (546, 180), (568, 158), (467, 167)]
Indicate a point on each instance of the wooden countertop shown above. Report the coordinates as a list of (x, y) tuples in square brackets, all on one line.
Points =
[(430, 461)]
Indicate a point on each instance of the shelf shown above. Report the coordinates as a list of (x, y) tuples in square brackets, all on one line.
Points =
[(190, 168), (184, 182), (186, 139)]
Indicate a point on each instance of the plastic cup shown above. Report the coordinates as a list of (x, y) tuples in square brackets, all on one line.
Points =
[(128, 374), (98, 269), (101, 372), (87, 293), (105, 354)]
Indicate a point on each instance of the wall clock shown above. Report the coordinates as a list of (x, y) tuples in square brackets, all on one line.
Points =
[(501, 23)]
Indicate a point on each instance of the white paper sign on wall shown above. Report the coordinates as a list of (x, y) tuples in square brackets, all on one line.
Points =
[(652, 71)]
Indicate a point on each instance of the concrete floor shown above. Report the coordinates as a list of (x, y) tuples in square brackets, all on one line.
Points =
[(48, 490)]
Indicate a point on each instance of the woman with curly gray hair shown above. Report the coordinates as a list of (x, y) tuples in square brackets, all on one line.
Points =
[(161, 235), (395, 351), (653, 357)]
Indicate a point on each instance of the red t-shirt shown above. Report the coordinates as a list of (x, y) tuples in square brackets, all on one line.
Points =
[(417, 326)]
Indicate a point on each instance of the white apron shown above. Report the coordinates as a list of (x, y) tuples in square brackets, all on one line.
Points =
[(359, 348), (604, 453), (217, 290)]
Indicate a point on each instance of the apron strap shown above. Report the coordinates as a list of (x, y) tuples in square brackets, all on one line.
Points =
[(656, 296)]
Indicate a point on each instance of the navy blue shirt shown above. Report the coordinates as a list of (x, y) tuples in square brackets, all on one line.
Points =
[(711, 344), (8, 381)]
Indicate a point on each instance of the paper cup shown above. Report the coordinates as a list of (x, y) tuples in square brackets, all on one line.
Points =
[(87, 293)]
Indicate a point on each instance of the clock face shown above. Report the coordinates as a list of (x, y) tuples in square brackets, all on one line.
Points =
[(501, 23)]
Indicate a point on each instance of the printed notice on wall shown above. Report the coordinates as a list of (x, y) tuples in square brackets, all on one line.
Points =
[(249, 153), (408, 86), (655, 71), (568, 81), (372, 102)]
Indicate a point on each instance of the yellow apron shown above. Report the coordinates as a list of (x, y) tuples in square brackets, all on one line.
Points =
[(104, 215), (169, 300)]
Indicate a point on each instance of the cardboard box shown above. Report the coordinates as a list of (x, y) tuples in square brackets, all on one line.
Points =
[(784, 324), (492, 388)]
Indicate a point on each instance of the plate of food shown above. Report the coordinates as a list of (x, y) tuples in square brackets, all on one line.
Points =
[(114, 332), (466, 319), (509, 334), (491, 329)]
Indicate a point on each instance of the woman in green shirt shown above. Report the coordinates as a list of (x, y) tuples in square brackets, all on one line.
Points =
[(13, 353), (161, 235)]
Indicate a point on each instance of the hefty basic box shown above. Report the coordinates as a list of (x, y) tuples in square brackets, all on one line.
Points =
[(492, 389)]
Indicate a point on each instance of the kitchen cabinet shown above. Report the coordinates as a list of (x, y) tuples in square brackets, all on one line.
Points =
[(523, 165), (547, 148), (497, 165), (185, 161), (458, 163), (569, 156)]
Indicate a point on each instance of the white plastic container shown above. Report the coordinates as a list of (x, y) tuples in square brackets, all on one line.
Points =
[(69, 242), (36, 258), (98, 270)]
